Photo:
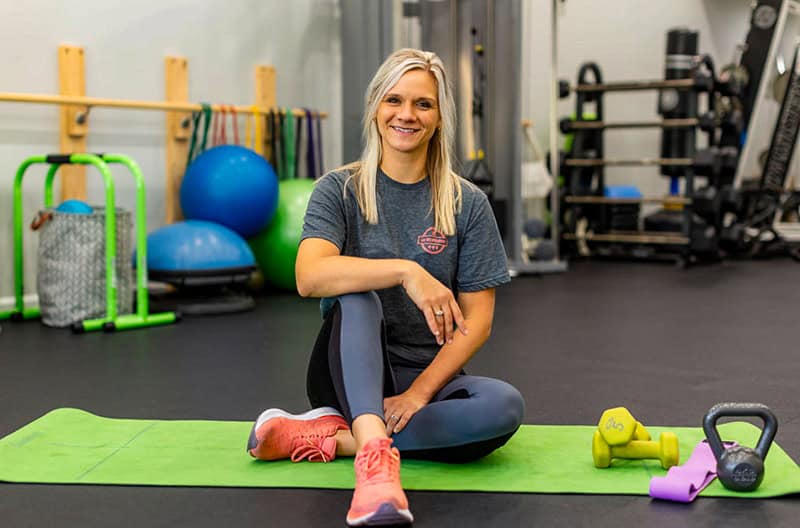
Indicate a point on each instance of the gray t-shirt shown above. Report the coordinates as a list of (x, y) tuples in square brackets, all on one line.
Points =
[(471, 260)]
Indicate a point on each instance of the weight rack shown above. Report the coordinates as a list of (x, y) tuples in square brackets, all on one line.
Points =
[(587, 213)]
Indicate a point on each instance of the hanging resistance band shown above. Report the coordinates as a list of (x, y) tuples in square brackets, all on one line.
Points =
[(206, 123), (274, 126), (234, 123), (311, 158), (320, 160), (205, 116), (196, 116), (298, 144), (215, 131), (289, 146)]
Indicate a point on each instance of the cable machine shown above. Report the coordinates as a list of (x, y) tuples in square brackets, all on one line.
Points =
[(480, 43)]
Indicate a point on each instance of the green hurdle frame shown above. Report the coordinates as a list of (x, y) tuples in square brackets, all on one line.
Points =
[(112, 320)]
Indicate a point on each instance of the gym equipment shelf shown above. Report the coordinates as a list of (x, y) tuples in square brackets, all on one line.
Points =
[(631, 237), (598, 222), (569, 125), (669, 200), (699, 82), (662, 162)]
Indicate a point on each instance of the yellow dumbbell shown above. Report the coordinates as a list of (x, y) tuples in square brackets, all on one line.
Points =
[(665, 450), (618, 427)]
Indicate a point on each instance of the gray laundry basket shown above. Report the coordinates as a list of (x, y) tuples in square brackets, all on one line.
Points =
[(71, 279)]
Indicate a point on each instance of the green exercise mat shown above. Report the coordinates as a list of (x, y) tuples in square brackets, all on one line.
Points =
[(71, 446)]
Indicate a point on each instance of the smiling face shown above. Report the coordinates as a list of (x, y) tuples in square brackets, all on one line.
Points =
[(408, 114)]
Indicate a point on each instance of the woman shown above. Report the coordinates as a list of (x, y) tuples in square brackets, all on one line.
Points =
[(405, 255)]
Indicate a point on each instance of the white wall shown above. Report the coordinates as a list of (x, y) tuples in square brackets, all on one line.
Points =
[(125, 44), (627, 38)]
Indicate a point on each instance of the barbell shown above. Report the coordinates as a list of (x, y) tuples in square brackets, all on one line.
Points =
[(713, 161), (701, 81)]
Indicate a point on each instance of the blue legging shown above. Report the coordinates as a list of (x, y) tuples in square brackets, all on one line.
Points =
[(468, 418)]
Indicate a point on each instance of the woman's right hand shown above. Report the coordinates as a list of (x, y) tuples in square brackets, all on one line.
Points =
[(436, 302)]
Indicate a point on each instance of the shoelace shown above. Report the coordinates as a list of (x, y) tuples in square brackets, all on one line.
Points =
[(379, 464), (309, 447)]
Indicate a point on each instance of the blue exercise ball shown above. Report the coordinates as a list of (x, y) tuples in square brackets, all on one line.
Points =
[(197, 245), (232, 186), (74, 207)]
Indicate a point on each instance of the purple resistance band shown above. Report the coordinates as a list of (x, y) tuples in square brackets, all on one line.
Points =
[(320, 159), (683, 483)]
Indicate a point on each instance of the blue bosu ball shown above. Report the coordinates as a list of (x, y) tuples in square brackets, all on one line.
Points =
[(232, 186), (74, 207), (196, 245)]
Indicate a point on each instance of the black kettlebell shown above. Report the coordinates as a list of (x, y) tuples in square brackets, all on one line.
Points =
[(740, 468)]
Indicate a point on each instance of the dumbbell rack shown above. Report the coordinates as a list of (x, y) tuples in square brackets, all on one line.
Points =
[(583, 168)]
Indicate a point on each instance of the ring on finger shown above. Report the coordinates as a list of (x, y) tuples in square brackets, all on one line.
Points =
[(439, 313), (393, 417)]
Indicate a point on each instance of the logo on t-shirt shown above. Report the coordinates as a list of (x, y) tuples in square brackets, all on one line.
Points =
[(432, 241)]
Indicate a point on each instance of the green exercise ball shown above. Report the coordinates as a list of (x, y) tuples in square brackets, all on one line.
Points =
[(275, 247)]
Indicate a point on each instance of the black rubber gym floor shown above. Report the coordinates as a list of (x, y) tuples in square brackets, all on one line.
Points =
[(666, 343)]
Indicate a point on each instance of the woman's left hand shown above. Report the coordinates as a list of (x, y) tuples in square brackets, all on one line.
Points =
[(398, 410)]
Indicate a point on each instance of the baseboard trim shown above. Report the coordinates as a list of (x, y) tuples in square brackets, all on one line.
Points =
[(8, 302)]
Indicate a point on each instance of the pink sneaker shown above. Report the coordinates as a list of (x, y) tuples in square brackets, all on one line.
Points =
[(277, 435), (379, 499)]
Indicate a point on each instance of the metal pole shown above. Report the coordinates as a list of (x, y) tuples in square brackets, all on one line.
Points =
[(141, 105), (666, 123), (630, 86), (556, 216), (632, 238), (662, 162), (670, 200)]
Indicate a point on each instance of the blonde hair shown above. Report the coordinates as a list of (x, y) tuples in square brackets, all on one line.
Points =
[(445, 184)]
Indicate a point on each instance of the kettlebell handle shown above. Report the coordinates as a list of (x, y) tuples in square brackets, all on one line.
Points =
[(758, 410)]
